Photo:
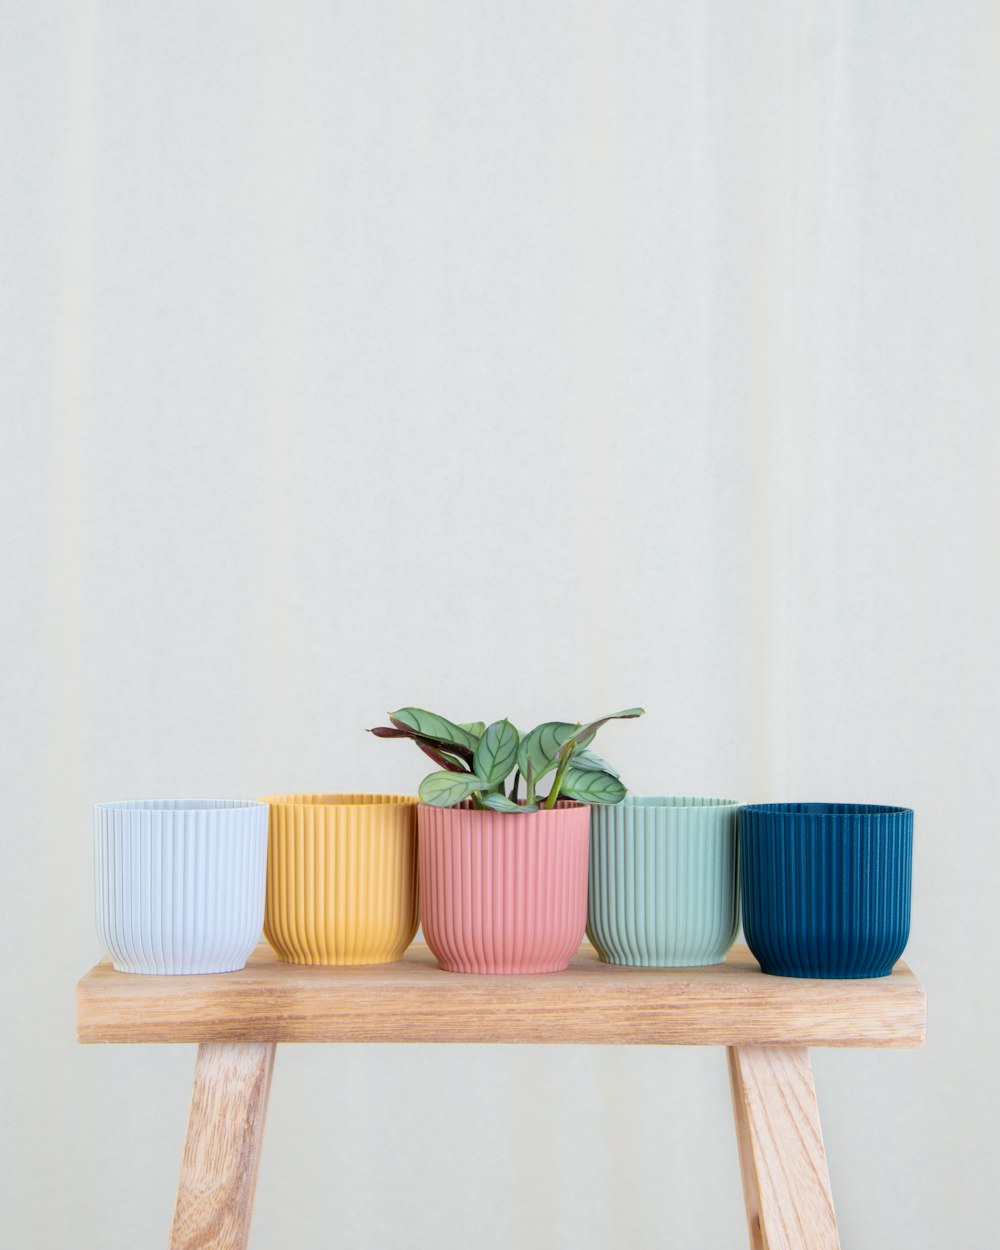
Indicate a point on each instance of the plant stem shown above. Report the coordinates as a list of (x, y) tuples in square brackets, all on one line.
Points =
[(517, 782), (564, 759)]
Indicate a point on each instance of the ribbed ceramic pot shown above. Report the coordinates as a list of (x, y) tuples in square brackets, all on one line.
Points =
[(179, 883), (501, 892), (341, 877), (826, 887), (663, 882)]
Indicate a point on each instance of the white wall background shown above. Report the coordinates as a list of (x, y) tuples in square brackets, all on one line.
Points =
[(521, 359)]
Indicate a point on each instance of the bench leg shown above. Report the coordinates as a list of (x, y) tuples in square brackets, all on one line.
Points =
[(786, 1185), (222, 1148)]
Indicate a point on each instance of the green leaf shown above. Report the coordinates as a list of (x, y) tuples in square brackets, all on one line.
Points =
[(477, 727), (629, 714), (585, 734), (430, 725), (591, 762), (447, 789), (501, 803), (496, 752), (540, 748), (591, 787)]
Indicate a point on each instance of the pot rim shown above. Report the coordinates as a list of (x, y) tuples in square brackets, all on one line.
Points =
[(178, 805), (334, 800), (675, 802), (562, 805), (826, 811)]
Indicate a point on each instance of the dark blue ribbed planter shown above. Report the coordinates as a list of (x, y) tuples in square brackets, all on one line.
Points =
[(826, 887)]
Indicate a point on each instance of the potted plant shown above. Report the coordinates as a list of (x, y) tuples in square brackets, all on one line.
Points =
[(503, 874), (341, 877), (663, 887), (179, 883)]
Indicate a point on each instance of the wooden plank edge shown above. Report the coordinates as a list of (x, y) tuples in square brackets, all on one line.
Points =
[(906, 1034), (137, 1026)]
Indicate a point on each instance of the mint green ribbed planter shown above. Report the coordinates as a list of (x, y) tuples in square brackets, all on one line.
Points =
[(663, 882)]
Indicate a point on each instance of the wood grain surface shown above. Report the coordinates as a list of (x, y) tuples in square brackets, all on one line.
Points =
[(786, 1184), (222, 1148), (731, 1004)]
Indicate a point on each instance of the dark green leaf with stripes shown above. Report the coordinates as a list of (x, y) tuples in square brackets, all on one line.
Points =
[(585, 734), (430, 725), (496, 752), (590, 787), (591, 762), (446, 789), (541, 747), (501, 803)]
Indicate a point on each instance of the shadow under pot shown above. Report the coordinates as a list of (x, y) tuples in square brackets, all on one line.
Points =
[(826, 887), (341, 877), (663, 882), (179, 883), (502, 892)]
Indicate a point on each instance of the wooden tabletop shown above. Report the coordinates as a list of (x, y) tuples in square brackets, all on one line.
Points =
[(730, 1004)]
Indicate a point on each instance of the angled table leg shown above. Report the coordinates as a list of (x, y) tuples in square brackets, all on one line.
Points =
[(786, 1185), (222, 1149)]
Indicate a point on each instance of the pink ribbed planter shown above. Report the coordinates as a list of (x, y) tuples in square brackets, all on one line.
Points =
[(501, 892)]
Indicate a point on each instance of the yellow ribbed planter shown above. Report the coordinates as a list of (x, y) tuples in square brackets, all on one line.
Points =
[(341, 877)]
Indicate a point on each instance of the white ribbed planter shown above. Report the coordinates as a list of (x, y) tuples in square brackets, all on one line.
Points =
[(179, 883)]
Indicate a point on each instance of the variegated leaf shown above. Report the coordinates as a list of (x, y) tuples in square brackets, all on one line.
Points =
[(597, 789), (496, 752), (501, 803), (446, 789), (430, 725), (591, 762), (540, 748)]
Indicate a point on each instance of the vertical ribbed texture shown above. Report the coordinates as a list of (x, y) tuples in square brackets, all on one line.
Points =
[(341, 877), (826, 887), (501, 892), (179, 883), (663, 881)]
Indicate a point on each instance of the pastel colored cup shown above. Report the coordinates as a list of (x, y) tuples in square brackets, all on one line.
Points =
[(341, 877), (663, 881), (501, 892), (179, 883), (826, 887)]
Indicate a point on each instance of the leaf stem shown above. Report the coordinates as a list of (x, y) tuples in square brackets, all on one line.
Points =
[(564, 759)]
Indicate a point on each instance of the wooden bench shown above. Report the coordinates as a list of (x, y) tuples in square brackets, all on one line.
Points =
[(766, 1023)]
